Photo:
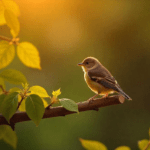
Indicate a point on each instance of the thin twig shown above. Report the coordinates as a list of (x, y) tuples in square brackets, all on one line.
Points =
[(61, 111), (2, 88), (20, 103), (49, 106), (5, 38)]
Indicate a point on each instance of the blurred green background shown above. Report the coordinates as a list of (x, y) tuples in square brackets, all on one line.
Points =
[(65, 32)]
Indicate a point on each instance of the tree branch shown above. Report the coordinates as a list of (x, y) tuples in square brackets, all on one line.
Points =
[(60, 111)]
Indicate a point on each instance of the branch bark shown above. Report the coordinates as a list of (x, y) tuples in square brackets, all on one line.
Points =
[(60, 111)]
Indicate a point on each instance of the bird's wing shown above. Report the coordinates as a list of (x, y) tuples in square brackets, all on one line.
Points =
[(104, 78), (106, 83)]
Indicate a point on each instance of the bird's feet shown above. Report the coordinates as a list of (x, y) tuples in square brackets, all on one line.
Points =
[(90, 100), (105, 96)]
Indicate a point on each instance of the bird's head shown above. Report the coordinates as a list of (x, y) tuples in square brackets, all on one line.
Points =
[(89, 63)]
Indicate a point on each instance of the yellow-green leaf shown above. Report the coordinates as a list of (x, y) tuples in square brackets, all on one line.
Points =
[(22, 106), (12, 22), (13, 76), (123, 148), (2, 18), (14, 89), (34, 108), (2, 83), (29, 55), (9, 105), (142, 144), (92, 145), (39, 91), (8, 135), (7, 53), (11, 5), (56, 93), (25, 85), (69, 104), (2, 131), (45, 103), (149, 133)]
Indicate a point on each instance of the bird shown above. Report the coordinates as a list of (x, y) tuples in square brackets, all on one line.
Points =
[(99, 79)]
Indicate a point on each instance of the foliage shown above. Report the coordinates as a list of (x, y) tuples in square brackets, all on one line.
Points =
[(92, 145), (27, 52), (95, 145), (69, 104), (13, 76), (143, 144), (29, 99), (8, 135), (7, 53), (39, 91), (9, 105), (34, 108), (29, 55)]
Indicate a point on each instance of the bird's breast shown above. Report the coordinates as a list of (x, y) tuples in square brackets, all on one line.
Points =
[(94, 86)]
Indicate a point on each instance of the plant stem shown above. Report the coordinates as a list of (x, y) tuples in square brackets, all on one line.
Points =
[(2, 88), (5, 38), (20, 103)]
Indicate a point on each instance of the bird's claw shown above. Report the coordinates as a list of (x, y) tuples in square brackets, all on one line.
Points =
[(90, 100)]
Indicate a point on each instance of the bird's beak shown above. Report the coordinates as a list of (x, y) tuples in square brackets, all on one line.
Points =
[(80, 64)]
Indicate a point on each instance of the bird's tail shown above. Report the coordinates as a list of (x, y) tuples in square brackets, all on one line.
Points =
[(124, 94)]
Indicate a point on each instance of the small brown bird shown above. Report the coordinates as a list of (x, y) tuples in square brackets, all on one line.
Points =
[(99, 79)]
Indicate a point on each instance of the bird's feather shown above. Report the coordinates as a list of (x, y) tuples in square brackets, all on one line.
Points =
[(104, 77)]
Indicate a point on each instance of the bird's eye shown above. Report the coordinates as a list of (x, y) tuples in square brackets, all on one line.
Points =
[(87, 63)]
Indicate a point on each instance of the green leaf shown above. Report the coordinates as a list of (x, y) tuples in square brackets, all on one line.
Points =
[(56, 93), (92, 145), (7, 53), (39, 91), (69, 104), (29, 55), (123, 148), (2, 131), (11, 5), (9, 105), (142, 144), (12, 22), (22, 106), (2, 97), (34, 108), (2, 83), (13, 76), (8, 135)]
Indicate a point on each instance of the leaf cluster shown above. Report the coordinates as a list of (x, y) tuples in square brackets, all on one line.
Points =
[(29, 99), (96, 145), (26, 51)]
